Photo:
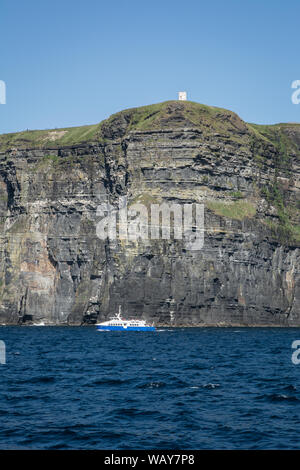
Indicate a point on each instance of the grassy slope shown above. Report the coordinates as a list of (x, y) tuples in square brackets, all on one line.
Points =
[(167, 114), (48, 138)]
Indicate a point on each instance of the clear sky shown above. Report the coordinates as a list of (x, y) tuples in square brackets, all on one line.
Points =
[(70, 62)]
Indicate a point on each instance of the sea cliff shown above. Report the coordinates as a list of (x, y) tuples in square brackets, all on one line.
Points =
[(55, 269)]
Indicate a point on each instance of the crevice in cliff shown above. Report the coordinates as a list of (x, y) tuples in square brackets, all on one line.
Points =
[(23, 317), (10, 179), (108, 181)]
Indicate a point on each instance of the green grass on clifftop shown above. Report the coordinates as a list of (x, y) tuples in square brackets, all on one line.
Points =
[(48, 138), (175, 115), (166, 115)]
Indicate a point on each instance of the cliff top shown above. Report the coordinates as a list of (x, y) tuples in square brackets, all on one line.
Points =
[(167, 115)]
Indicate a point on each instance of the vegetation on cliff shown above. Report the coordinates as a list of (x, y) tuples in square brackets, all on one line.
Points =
[(274, 145)]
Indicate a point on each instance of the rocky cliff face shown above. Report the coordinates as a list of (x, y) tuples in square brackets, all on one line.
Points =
[(55, 269)]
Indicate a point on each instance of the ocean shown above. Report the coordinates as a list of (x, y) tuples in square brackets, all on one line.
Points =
[(181, 388)]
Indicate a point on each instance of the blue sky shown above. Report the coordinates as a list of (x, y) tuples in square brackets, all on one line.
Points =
[(70, 62)]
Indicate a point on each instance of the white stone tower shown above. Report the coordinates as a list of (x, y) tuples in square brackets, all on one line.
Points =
[(182, 95)]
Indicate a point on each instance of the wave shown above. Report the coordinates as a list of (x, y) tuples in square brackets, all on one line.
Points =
[(278, 397), (39, 379), (113, 382), (153, 385), (211, 386)]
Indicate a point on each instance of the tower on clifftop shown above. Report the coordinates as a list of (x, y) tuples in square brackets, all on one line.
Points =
[(182, 95)]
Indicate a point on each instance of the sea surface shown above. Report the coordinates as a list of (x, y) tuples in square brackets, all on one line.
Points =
[(190, 388)]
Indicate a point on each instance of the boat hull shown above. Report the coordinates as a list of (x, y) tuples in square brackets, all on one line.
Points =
[(122, 328)]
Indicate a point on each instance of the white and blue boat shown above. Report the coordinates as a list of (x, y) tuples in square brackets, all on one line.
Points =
[(117, 323)]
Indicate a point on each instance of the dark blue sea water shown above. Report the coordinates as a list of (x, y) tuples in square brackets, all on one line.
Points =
[(214, 388)]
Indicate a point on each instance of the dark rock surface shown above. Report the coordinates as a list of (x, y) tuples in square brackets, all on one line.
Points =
[(54, 269)]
